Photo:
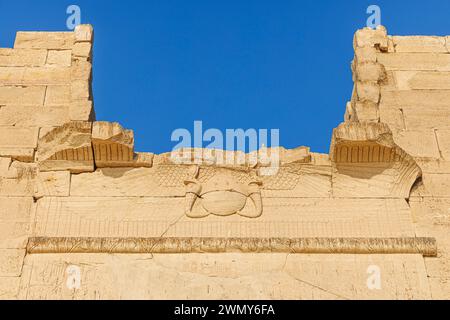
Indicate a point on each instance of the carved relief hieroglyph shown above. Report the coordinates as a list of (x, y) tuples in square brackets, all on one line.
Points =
[(223, 195)]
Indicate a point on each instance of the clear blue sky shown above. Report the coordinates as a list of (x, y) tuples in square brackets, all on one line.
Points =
[(160, 65)]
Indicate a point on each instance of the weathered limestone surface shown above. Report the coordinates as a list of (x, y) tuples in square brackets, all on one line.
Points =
[(415, 104), (79, 206), (45, 40), (224, 276), (18, 143), (420, 44)]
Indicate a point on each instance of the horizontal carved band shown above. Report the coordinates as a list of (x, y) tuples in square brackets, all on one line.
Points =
[(425, 246)]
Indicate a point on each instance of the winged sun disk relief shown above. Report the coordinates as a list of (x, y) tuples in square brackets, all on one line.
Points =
[(222, 196)]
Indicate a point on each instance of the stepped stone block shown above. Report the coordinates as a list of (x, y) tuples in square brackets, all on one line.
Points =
[(67, 148)]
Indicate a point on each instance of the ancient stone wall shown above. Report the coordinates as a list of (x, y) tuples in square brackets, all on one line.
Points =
[(76, 197), (404, 82)]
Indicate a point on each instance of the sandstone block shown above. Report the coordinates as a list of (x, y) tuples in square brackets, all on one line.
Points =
[(414, 61), (15, 213), (11, 261), (45, 40), (423, 118), (366, 111), (419, 144), (9, 288), (22, 95), (422, 80), (30, 116), (80, 90), (370, 71), (84, 32), (368, 92), (62, 58), (15, 209), (443, 137), (425, 99), (392, 116), (17, 187), (58, 95), (11, 75), (81, 70), (19, 154), (22, 57), (80, 110), (372, 38), (436, 166), (52, 184), (12, 137), (420, 44), (46, 76), (349, 112), (440, 288), (437, 185), (365, 54), (143, 160), (4, 166), (82, 49)]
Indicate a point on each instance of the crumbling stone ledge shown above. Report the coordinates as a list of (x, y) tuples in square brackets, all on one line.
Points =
[(425, 246)]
